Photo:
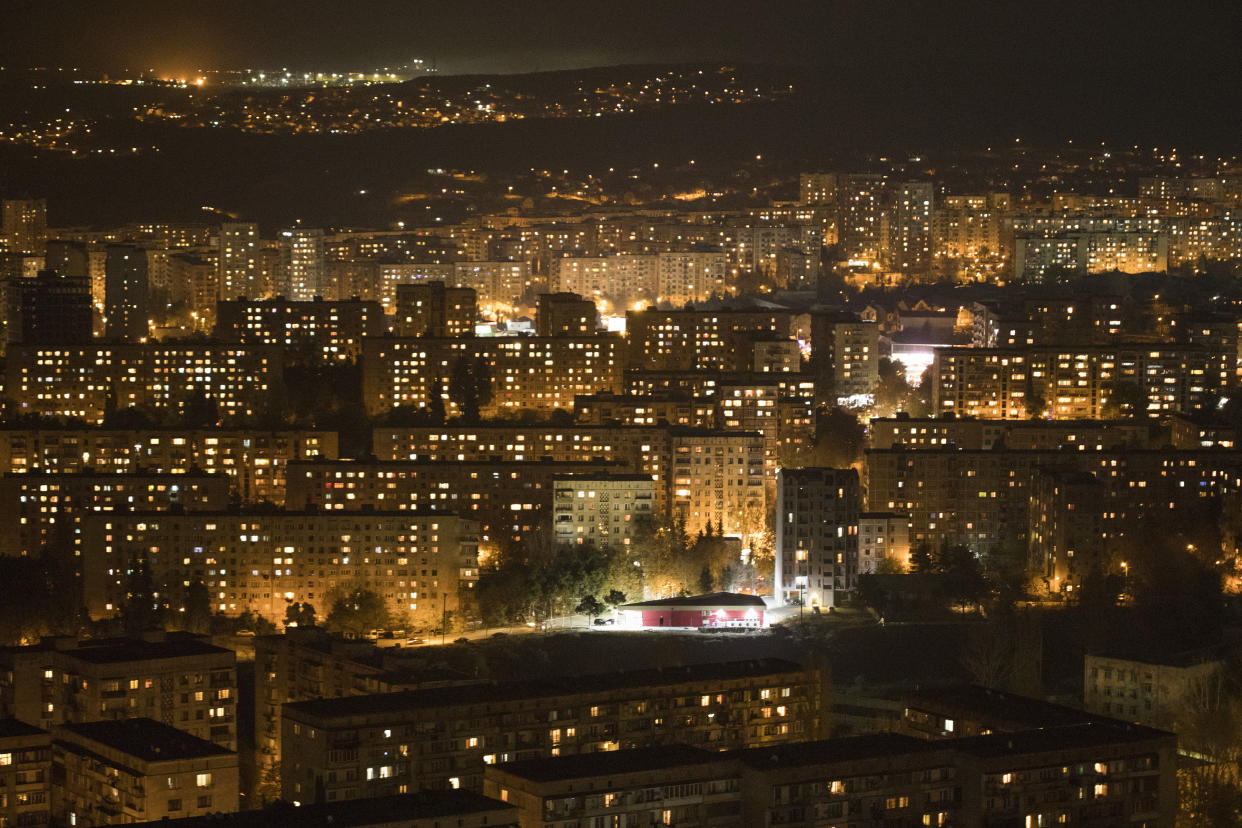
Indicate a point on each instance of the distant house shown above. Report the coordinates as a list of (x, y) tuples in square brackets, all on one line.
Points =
[(716, 610)]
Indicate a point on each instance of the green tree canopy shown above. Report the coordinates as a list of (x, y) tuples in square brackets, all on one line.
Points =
[(300, 614), (358, 613)]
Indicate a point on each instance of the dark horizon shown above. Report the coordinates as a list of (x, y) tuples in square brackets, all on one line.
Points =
[(887, 39)]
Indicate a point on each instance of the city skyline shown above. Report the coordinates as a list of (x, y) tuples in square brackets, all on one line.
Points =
[(792, 413)]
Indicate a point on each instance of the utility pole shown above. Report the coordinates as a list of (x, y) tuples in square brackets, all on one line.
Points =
[(443, 617)]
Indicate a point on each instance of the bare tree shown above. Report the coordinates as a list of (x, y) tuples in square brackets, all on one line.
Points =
[(1209, 724)]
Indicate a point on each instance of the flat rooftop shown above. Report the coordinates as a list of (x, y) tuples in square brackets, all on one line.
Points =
[(973, 701), (610, 763), (435, 697), (147, 739), (829, 751), (11, 728), (356, 812), (1043, 740), (120, 650)]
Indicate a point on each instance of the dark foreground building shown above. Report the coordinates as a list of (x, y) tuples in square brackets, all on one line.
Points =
[(428, 809), (379, 745), (1102, 773)]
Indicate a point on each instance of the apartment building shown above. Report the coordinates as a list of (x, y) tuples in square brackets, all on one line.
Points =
[(420, 562), (366, 746), (331, 330), (254, 460), (604, 510), (138, 770), (177, 679), (25, 773)]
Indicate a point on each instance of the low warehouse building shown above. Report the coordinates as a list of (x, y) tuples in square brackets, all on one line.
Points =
[(716, 610)]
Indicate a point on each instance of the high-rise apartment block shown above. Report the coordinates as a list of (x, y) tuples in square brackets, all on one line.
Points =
[(238, 260), (52, 309), (860, 228), (23, 225), (435, 309), (816, 550), (565, 314), (845, 359), (126, 291), (910, 250), (302, 264), (818, 188)]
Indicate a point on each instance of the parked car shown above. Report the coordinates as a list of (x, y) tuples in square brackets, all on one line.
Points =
[(604, 622)]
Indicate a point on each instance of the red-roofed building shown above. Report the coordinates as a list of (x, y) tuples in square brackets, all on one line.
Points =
[(716, 610)]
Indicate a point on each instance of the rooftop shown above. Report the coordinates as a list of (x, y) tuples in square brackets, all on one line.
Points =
[(11, 728), (147, 739), (711, 599), (436, 697), (1156, 656), (608, 763), (994, 705), (1062, 737), (120, 650), (828, 751), (358, 812)]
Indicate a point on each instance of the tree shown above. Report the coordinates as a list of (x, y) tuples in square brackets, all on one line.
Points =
[(197, 608), (706, 581), (839, 438), (1036, 403), (131, 418), (299, 614), (963, 574), (614, 598), (446, 624), (251, 620), (1208, 721), (470, 386), (892, 390), (200, 411), (435, 408), (989, 655), (920, 559), (1124, 400), (40, 598), (889, 566), (358, 613), (590, 607), (143, 608), (871, 594)]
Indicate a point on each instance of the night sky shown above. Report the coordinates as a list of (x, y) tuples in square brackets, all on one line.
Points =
[(1018, 41)]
